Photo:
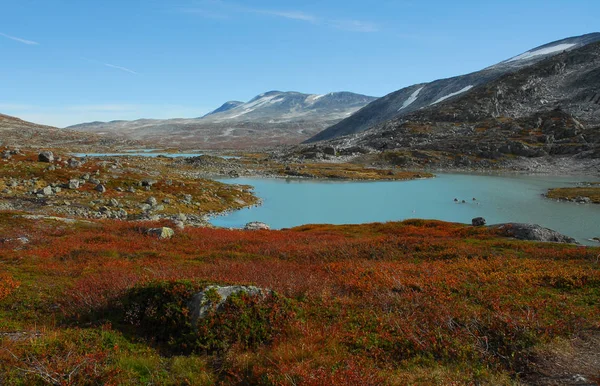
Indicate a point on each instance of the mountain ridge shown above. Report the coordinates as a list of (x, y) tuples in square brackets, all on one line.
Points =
[(544, 117), (394, 105), (269, 119)]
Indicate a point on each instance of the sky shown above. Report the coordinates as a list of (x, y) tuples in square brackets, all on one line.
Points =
[(64, 62)]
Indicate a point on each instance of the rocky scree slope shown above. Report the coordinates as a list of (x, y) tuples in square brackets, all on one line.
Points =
[(548, 110), (419, 96), (269, 119)]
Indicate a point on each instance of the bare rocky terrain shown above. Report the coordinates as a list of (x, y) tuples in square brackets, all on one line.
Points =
[(542, 118), (18, 133), (424, 95)]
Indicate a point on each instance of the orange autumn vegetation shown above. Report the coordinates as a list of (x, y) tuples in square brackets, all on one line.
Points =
[(416, 302), (7, 285)]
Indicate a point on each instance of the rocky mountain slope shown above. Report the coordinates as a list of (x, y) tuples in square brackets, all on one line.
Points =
[(270, 119), (15, 132), (546, 115), (409, 99)]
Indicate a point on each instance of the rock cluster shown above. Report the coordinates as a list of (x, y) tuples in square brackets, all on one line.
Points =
[(256, 226)]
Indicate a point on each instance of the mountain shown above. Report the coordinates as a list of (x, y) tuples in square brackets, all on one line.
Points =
[(15, 132), (225, 107), (531, 118), (293, 106), (270, 119), (423, 95)]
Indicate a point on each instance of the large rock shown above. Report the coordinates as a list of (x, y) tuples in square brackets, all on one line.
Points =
[(161, 233), (533, 232), (257, 226), (74, 184), (478, 221), (46, 156), (100, 188), (47, 191), (215, 296), (74, 163)]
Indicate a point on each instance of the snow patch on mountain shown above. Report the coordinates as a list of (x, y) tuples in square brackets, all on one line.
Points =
[(411, 99), (313, 98), (452, 94), (542, 51)]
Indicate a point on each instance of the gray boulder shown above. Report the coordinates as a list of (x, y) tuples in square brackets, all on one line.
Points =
[(256, 226), (47, 191), (74, 184), (148, 182), (151, 201), (100, 188), (478, 221), (533, 232), (74, 163), (213, 297), (161, 233), (46, 156)]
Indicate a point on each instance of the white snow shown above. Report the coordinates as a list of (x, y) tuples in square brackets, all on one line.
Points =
[(452, 94), (542, 51), (249, 107), (313, 98), (411, 99)]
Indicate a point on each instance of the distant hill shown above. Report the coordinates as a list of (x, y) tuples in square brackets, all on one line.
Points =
[(419, 96), (15, 132), (270, 119)]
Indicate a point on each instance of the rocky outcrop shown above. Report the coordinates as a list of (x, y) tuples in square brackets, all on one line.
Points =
[(478, 221), (533, 232), (257, 226), (46, 156), (215, 296), (428, 96), (543, 111), (161, 233)]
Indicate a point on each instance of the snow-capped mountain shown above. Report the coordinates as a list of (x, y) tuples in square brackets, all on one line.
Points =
[(291, 106), (415, 97), (225, 107), (544, 116), (269, 119)]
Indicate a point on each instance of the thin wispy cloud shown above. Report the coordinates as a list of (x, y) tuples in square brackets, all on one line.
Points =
[(205, 13), (24, 41), (294, 15), (355, 25), (113, 66), (221, 9), (121, 68)]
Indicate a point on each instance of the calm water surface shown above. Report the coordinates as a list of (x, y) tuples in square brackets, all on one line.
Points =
[(288, 203)]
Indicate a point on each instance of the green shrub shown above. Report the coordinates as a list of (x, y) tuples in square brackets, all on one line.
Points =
[(160, 312)]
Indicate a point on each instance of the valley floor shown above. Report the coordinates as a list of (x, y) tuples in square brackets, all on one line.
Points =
[(417, 302), (94, 299)]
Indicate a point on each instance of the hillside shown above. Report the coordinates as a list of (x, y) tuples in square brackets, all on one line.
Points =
[(413, 98), (270, 119), (19, 133), (528, 119)]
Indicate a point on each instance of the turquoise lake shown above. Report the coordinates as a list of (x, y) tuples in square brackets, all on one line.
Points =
[(291, 202)]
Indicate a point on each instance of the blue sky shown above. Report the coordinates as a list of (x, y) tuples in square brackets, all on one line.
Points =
[(64, 61)]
